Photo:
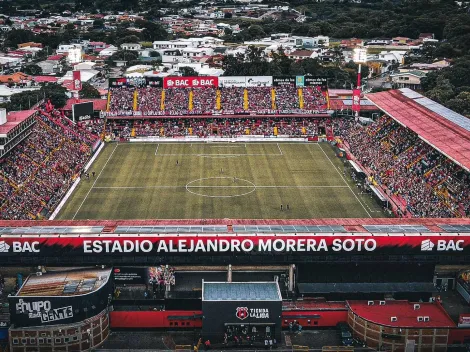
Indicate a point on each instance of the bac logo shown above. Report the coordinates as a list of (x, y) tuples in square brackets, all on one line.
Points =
[(4, 247), (442, 245), (242, 313), (427, 245)]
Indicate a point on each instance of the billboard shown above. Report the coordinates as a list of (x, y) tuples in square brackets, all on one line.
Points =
[(77, 81), (284, 81), (51, 310), (316, 81), (136, 82), (118, 82), (232, 81), (258, 81), (311, 244), (190, 82), (154, 82), (82, 111)]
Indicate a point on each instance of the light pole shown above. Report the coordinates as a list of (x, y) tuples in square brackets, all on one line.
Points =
[(359, 57)]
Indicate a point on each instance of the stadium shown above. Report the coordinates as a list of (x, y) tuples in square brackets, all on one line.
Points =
[(241, 208)]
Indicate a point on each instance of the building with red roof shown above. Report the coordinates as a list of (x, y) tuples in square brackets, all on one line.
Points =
[(14, 127), (14, 119), (395, 324), (57, 57), (98, 104), (45, 79)]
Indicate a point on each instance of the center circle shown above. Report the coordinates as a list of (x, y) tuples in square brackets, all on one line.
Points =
[(221, 187)]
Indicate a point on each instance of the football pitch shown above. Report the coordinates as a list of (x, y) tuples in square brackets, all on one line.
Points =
[(216, 181)]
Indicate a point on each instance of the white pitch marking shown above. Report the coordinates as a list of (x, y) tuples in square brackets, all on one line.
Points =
[(156, 150), (208, 186), (278, 146), (107, 161), (339, 173)]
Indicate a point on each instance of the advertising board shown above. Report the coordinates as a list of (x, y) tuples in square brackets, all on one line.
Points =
[(191, 82), (82, 111), (224, 244)]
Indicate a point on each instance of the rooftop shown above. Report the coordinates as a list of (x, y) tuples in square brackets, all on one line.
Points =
[(241, 291), (376, 225), (405, 312), (65, 283), (440, 127), (14, 118), (98, 104)]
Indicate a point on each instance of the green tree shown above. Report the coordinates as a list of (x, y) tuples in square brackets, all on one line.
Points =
[(460, 104), (188, 71), (98, 23), (152, 31), (32, 69), (55, 93), (89, 92), (18, 36), (442, 92)]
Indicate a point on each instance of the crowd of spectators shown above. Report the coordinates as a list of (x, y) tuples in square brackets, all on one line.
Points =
[(314, 98), (259, 98), (221, 127), (430, 184), (232, 99), (122, 100), (287, 98), (38, 172), (204, 100), (176, 100), (149, 100)]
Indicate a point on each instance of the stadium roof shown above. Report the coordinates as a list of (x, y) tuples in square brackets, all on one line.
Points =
[(405, 312), (66, 283), (14, 118), (98, 104), (121, 227), (241, 291), (344, 104), (440, 127)]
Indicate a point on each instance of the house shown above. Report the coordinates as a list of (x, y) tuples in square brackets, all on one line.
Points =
[(65, 48), (18, 77), (131, 46), (110, 50), (96, 46), (50, 66), (401, 40), (84, 66), (410, 79), (30, 45), (196, 52), (172, 56), (395, 56), (351, 43), (301, 54)]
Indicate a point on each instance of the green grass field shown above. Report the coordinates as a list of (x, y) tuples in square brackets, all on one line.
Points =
[(217, 180)]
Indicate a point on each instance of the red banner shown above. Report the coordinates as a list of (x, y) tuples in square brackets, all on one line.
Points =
[(356, 100), (167, 244), (191, 82), (77, 81)]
